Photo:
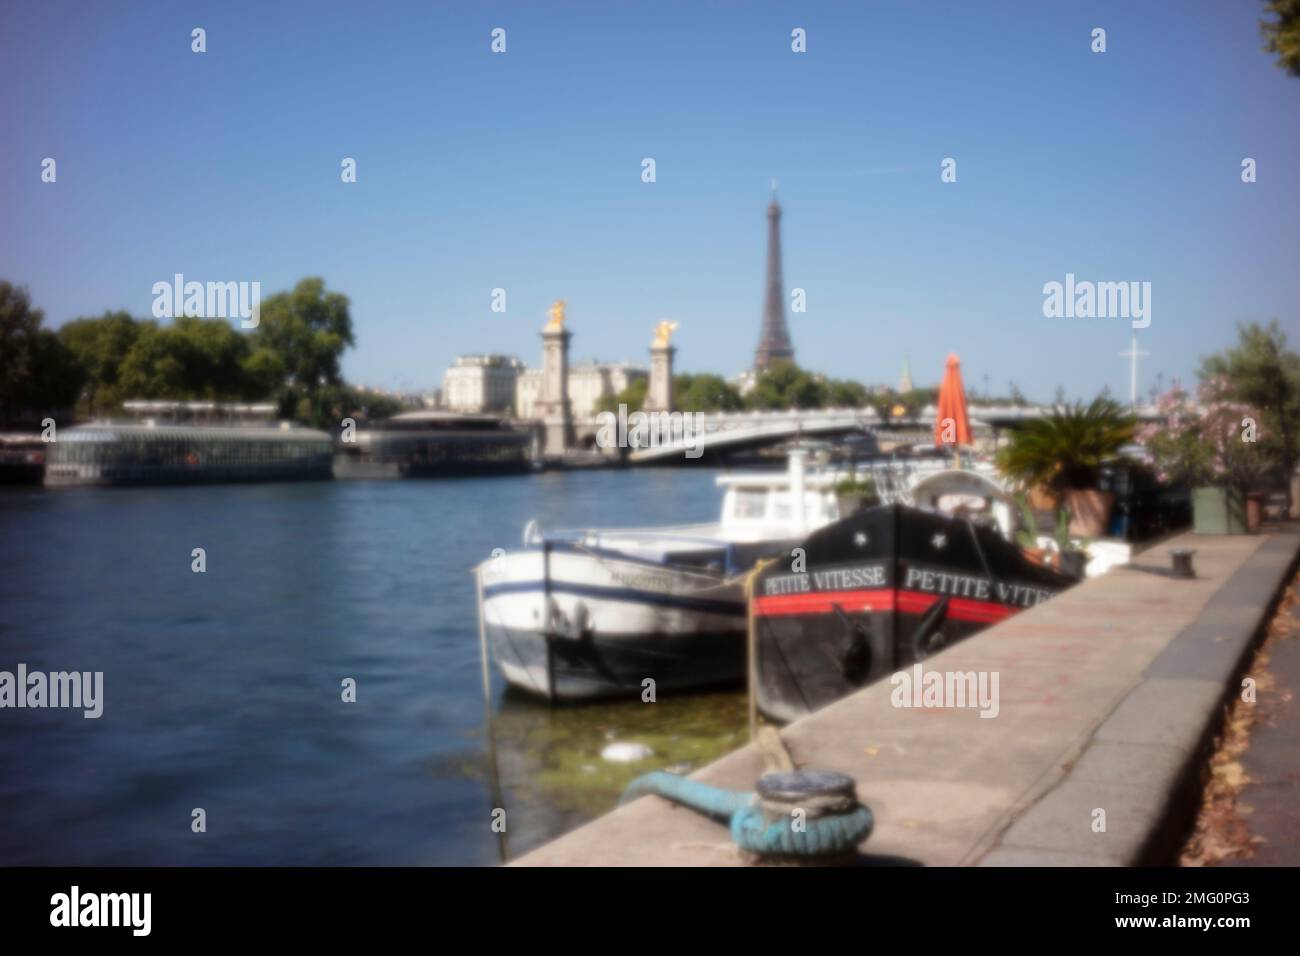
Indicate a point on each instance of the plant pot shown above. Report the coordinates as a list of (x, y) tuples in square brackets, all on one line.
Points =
[(1218, 511), (1074, 563), (1041, 556), (1254, 510), (1089, 511)]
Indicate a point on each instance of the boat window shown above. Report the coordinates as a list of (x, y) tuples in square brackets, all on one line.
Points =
[(750, 503), (781, 509)]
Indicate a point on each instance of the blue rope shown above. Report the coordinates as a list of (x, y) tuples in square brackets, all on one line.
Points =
[(832, 834), (711, 801)]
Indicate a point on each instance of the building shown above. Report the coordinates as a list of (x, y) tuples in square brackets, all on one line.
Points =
[(528, 389), (774, 340), (481, 383), (589, 382)]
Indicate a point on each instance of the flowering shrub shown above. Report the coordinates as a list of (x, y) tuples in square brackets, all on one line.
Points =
[(1210, 441)]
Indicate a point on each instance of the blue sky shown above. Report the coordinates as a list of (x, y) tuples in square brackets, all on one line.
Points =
[(522, 171)]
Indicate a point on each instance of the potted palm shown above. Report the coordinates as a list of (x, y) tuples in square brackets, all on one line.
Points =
[(1063, 451), (1209, 445)]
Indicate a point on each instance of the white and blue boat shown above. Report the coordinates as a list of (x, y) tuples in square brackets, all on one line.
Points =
[(588, 614)]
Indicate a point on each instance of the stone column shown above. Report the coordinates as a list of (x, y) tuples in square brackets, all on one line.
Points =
[(659, 393), (553, 404)]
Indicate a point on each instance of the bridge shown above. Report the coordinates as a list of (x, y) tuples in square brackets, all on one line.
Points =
[(709, 434)]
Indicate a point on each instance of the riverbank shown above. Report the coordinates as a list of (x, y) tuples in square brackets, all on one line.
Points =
[(1109, 697)]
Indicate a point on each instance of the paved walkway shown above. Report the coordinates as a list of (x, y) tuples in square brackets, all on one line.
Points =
[(1109, 696)]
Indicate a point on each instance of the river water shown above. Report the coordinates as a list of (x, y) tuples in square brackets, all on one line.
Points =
[(222, 691)]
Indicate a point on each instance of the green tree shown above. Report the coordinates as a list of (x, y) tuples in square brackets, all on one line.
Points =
[(633, 397), (190, 359), (101, 346), (783, 385), (918, 398), (1066, 448), (1282, 36), (1262, 372), (156, 365), (705, 393), (214, 354), (301, 338), (39, 375), (841, 393)]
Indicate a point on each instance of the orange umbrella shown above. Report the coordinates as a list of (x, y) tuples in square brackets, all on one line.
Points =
[(950, 422)]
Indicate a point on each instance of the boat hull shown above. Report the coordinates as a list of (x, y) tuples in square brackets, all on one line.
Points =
[(568, 623), (877, 592)]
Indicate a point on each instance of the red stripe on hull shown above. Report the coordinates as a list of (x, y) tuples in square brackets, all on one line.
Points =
[(879, 599)]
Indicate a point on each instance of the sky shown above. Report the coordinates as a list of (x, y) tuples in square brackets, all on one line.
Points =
[(522, 170)]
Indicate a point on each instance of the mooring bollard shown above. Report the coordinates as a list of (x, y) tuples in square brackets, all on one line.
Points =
[(1182, 562), (799, 816)]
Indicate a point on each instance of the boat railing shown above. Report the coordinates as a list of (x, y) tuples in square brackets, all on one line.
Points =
[(534, 534)]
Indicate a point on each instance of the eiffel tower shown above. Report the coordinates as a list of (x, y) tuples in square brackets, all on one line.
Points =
[(774, 343)]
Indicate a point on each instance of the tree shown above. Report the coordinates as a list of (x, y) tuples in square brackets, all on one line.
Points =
[(39, 375), (1066, 448), (841, 393), (214, 354), (300, 339), (1282, 36), (190, 359), (101, 346), (705, 393), (633, 397), (155, 366), (918, 398), (783, 385), (1261, 372)]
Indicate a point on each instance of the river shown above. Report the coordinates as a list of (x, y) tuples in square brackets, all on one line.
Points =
[(222, 690)]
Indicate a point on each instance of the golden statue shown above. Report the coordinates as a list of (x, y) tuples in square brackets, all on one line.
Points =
[(663, 332), (557, 317)]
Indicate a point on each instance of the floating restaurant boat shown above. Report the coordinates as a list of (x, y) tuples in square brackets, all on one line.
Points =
[(188, 443), (427, 444), (588, 614), (884, 588)]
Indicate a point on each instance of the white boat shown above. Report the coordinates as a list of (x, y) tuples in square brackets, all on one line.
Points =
[(596, 613)]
